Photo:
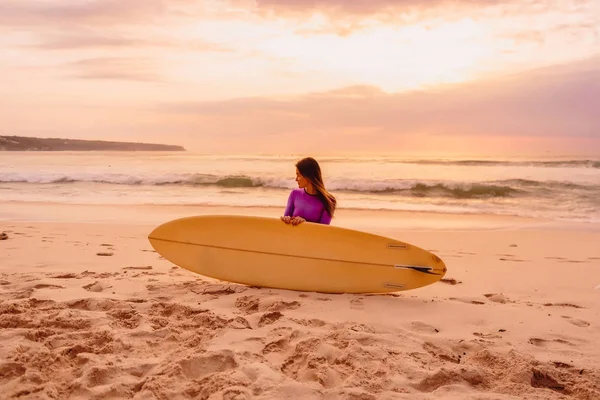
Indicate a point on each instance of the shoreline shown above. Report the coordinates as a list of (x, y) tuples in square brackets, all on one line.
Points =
[(16, 211)]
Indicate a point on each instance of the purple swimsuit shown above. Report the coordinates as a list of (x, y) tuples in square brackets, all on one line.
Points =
[(309, 207)]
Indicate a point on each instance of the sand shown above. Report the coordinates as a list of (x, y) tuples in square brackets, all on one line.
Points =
[(89, 311)]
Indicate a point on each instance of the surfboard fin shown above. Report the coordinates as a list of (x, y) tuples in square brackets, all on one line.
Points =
[(425, 270)]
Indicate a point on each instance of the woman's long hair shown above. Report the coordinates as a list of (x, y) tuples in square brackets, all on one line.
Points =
[(310, 169)]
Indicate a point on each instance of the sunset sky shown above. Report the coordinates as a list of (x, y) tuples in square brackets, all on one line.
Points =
[(281, 76)]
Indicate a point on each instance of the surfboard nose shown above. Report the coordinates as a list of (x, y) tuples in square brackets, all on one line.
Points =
[(154, 233), (160, 232)]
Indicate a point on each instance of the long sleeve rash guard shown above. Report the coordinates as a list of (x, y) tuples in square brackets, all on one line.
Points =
[(307, 206)]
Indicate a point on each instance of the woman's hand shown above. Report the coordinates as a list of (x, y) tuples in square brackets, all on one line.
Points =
[(293, 220)]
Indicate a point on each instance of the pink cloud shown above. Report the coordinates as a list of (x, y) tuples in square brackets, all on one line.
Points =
[(366, 7), (88, 38), (559, 102), (97, 12), (114, 68)]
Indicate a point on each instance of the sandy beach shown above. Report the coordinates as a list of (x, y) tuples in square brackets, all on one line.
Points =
[(89, 311)]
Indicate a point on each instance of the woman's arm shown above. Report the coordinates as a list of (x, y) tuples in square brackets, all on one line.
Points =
[(289, 209), (325, 218)]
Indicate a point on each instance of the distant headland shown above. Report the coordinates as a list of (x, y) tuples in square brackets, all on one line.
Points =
[(22, 143)]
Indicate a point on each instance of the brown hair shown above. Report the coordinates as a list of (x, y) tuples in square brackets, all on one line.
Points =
[(310, 169)]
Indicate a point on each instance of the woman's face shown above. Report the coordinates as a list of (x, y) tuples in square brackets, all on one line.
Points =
[(302, 181)]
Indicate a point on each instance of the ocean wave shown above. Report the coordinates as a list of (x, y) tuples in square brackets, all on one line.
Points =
[(549, 164), (390, 187), (587, 163), (565, 163), (470, 191)]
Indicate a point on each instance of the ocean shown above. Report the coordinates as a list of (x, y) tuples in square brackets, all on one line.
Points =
[(559, 188)]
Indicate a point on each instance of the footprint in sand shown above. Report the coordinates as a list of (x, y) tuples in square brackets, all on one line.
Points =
[(201, 366), (422, 327), (125, 318), (305, 358), (252, 304), (236, 393), (539, 342), (222, 289), (446, 377), (562, 305), (442, 354), (65, 276), (313, 322), (99, 376), (22, 294), (281, 305), (269, 318), (450, 281), (11, 370), (578, 322), (247, 304), (512, 259), (468, 301), (96, 287), (357, 303), (487, 335), (47, 286), (541, 379), (497, 298), (239, 323), (94, 304), (276, 346)]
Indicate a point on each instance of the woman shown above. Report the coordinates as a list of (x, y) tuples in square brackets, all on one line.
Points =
[(311, 201)]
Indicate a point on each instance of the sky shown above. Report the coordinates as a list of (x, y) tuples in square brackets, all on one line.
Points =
[(306, 76)]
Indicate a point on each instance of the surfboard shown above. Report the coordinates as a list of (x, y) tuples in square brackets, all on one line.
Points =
[(266, 252)]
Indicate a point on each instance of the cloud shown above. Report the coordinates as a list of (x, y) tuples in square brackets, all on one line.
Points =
[(86, 38), (559, 102), (344, 17), (130, 69), (34, 13), (370, 7), (97, 12), (374, 6)]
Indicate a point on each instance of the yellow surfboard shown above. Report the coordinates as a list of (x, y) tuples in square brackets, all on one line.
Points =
[(266, 252)]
